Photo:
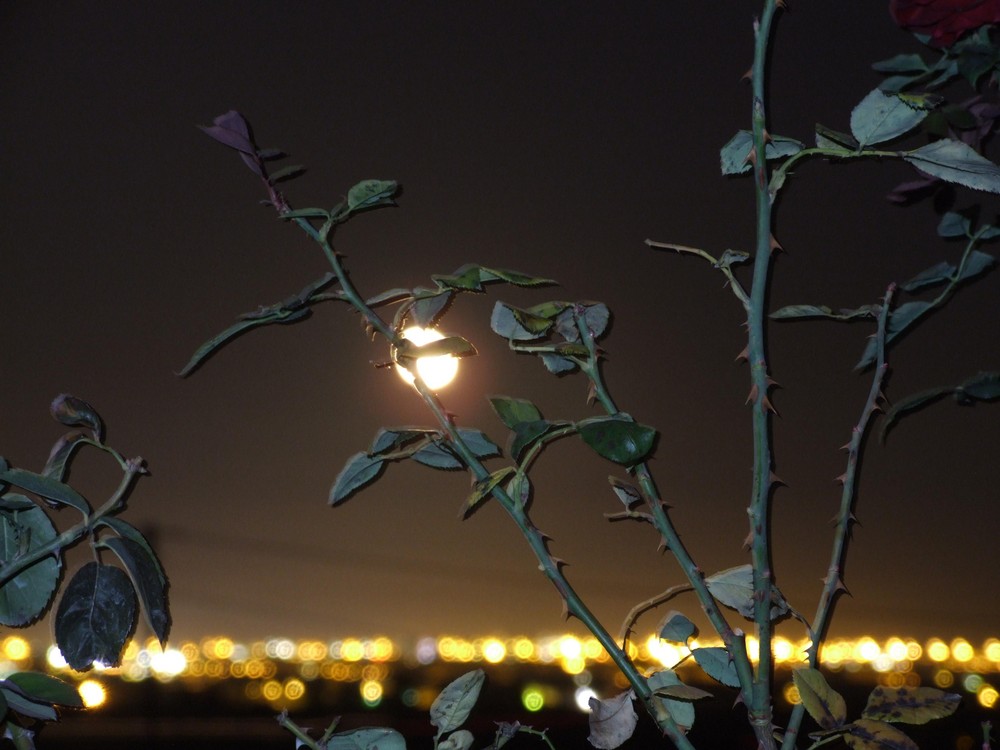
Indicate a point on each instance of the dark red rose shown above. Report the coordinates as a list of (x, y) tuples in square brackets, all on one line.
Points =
[(944, 21)]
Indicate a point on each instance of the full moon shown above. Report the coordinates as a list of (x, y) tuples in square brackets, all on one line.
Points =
[(436, 372)]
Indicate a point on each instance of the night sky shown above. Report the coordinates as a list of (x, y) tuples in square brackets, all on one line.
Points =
[(551, 138)]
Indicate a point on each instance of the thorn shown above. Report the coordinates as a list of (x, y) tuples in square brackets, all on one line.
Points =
[(558, 562), (772, 383), (767, 136), (748, 542), (662, 547), (840, 587), (565, 610), (744, 355), (845, 447), (775, 479), (591, 394), (751, 157), (842, 479), (781, 4), (753, 394), (768, 406), (748, 76), (852, 519)]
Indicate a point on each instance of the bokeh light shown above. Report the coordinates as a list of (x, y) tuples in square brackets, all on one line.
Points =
[(92, 693), (436, 372)]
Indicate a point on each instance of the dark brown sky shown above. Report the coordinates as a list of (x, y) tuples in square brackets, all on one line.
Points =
[(551, 138)]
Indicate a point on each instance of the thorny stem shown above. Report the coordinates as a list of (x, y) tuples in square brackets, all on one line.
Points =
[(759, 706), (549, 565), (131, 468), (833, 584), (734, 642)]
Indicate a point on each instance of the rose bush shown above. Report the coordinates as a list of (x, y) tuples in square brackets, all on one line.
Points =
[(944, 21)]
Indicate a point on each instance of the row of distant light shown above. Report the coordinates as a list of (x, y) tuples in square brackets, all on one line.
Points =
[(364, 661)]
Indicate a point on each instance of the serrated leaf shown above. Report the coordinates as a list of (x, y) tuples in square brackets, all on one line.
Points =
[(482, 489), (145, 572), (359, 470), (825, 135), (450, 346), (734, 588), (956, 162), (127, 531), (427, 308), (75, 412), (23, 528), (451, 708), (733, 155), (880, 117), (392, 439), (557, 364), (596, 318), (527, 434), (367, 738), (370, 193), (626, 493), (95, 616), (910, 705), (26, 707), (478, 443), (618, 439), (47, 487), (676, 627), (953, 224), (438, 456), (513, 277), (867, 734), (231, 129), (911, 403), (824, 704), (939, 273), (612, 721), (821, 311), (216, 342), (513, 411), (306, 213), (668, 687), (717, 665), (45, 688), (977, 263), (465, 279), (389, 295), (517, 325), (57, 465), (899, 320), (519, 488)]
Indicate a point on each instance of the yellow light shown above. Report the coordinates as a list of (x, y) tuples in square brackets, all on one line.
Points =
[(272, 690), (943, 678), (524, 649), (987, 696), (92, 693), (753, 648), (294, 689), (791, 693), (783, 649), (937, 650), (896, 649), (169, 663), (436, 372), (962, 650), (221, 648), (352, 650), (532, 698), (371, 692), (16, 648), (574, 665), (494, 651), (866, 650), (991, 650), (55, 658), (570, 647)]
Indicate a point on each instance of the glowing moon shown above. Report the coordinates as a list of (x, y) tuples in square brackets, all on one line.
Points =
[(436, 372)]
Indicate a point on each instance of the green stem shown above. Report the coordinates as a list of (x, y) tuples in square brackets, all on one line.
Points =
[(759, 706), (72, 535), (834, 582)]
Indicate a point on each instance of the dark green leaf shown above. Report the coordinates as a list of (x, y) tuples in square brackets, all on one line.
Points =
[(717, 665), (513, 411), (984, 386), (427, 308), (557, 364), (734, 588), (734, 154), (387, 440), (957, 162), (824, 704), (389, 295), (953, 224), (518, 325), (936, 274), (43, 486), (366, 738), (359, 470), (438, 456), (899, 320), (676, 627), (127, 531), (214, 344), (817, 311), (95, 616), (287, 173), (910, 705), (667, 684), (901, 64), (478, 443), (145, 572), (16, 502), (75, 412), (975, 264), (371, 193), (911, 403), (827, 138), (618, 439), (26, 596), (19, 703), (867, 734), (519, 489), (513, 277), (451, 708), (465, 279), (527, 434), (988, 232), (881, 117), (57, 466), (42, 687)]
